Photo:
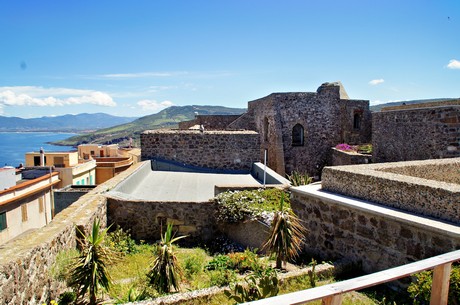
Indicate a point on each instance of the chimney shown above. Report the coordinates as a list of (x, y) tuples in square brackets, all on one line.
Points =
[(42, 157)]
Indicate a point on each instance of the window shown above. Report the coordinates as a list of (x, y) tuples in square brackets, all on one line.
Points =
[(266, 126), (3, 224), (37, 160), (24, 212), (40, 205), (357, 120), (59, 161), (297, 135), (92, 153)]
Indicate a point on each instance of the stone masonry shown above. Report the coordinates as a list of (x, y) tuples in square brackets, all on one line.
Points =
[(416, 134), (223, 150), (322, 120), (375, 237)]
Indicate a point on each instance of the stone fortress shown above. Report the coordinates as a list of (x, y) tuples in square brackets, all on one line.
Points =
[(298, 130), (376, 215)]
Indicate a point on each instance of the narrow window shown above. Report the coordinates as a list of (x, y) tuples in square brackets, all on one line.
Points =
[(40, 205), (3, 224), (266, 127), (24, 212), (357, 121), (297, 135), (36, 160)]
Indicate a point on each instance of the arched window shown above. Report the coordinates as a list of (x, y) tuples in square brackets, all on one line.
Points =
[(357, 120), (297, 135), (266, 127)]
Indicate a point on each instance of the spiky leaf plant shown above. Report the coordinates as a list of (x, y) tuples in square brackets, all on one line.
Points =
[(166, 271), (285, 240), (90, 273)]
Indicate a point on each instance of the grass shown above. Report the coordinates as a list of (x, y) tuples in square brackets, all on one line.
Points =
[(130, 272)]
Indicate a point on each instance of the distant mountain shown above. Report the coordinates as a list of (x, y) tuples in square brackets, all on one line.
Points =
[(68, 122), (167, 118), (380, 106)]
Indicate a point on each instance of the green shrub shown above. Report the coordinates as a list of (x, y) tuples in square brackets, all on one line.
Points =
[(219, 262), (420, 289), (237, 261), (194, 262), (234, 206), (120, 240), (221, 277)]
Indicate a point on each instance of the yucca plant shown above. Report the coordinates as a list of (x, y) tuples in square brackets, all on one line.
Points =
[(285, 240), (296, 178), (166, 271), (90, 273)]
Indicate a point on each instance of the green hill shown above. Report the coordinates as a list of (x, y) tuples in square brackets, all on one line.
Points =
[(379, 107), (167, 118)]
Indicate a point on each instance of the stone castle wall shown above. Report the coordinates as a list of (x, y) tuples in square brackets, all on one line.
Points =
[(327, 120), (416, 134), (223, 150), (210, 122), (361, 232)]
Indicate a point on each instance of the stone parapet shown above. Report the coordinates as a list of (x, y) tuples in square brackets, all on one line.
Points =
[(371, 235), (393, 185)]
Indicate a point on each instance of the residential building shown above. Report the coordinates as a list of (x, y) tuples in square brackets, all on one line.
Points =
[(88, 151), (28, 203), (72, 170)]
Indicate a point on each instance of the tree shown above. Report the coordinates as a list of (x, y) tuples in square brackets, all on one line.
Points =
[(285, 240), (89, 273), (166, 271)]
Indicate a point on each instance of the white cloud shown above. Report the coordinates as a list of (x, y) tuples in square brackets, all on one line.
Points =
[(154, 106), (454, 64), (375, 82), (39, 96), (137, 75)]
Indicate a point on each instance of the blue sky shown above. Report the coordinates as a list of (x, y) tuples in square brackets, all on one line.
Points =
[(134, 58)]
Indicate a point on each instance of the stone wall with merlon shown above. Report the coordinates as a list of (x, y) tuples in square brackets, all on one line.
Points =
[(223, 150), (416, 134), (375, 236), (147, 219), (376, 182)]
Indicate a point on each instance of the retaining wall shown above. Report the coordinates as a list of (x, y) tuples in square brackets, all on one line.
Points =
[(146, 219), (378, 237)]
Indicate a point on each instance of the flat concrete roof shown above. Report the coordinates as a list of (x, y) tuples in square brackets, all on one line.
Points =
[(185, 186)]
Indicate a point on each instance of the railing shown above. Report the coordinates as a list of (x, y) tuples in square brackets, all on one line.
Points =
[(332, 294)]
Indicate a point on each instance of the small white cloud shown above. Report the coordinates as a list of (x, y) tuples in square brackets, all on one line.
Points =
[(375, 82), (154, 106), (454, 64), (38, 96)]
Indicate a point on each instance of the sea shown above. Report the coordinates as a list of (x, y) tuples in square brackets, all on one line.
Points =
[(14, 145)]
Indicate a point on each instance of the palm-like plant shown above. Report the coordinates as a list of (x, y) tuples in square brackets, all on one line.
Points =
[(89, 273), (285, 240), (166, 271)]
